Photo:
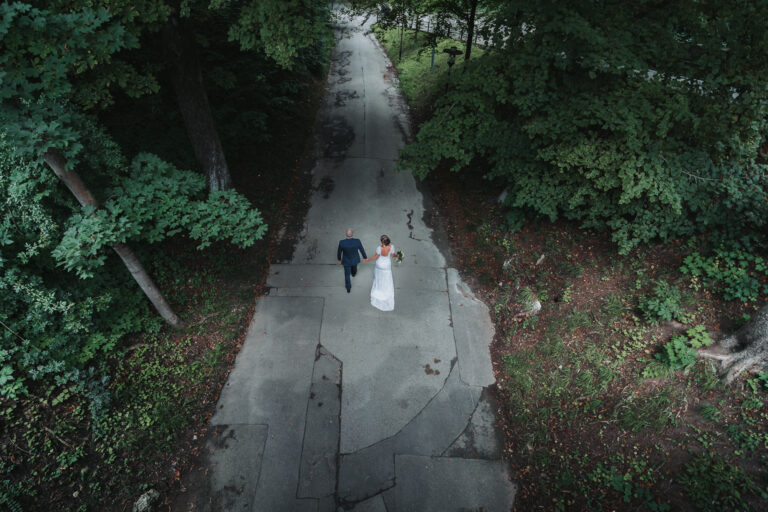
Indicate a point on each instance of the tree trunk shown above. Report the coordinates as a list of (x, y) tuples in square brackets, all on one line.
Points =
[(74, 183), (181, 54), (470, 28), (402, 29), (746, 349)]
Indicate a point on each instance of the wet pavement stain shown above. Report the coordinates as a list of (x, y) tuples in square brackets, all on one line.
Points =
[(340, 136), (343, 96), (326, 186), (339, 63)]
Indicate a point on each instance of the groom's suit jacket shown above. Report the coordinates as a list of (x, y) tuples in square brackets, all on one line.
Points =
[(347, 252)]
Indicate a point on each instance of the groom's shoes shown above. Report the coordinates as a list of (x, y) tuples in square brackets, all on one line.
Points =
[(347, 290)]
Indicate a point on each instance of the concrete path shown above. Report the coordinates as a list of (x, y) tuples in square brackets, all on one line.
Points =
[(332, 404)]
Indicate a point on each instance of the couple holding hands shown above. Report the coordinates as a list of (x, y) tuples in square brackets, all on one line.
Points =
[(383, 289)]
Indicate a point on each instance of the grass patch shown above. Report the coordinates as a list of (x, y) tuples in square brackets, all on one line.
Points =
[(419, 79), (577, 319), (613, 307), (635, 413)]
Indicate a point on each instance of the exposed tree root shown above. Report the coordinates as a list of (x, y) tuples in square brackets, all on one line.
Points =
[(746, 349)]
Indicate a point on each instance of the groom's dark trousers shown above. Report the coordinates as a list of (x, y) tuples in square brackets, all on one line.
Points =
[(347, 253)]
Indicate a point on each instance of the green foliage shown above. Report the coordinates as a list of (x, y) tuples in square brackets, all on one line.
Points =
[(61, 58), (639, 412), (282, 30), (571, 269), (53, 326), (679, 353), (578, 319), (664, 304), (763, 378), (631, 486), (567, 294), (749, 436), (10, 492), (714, 484), (75, 415), (709, 411), (676, 354), (624, 119), (153, 399), (627, 341), (526, 299), (419, 80), (613, 307), (698, 337), (735, 267), (575, 383), (152, 203), (627, 477), (656, 369), (151, 406)]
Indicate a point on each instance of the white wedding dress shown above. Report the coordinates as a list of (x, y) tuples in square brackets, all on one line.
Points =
[(383, 290)]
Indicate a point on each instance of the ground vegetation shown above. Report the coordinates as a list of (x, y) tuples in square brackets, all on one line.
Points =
[(605, 400), (100, 400)]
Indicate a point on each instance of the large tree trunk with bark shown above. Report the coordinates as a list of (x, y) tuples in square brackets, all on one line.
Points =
[(470, 28), (74, 183), (746, 349), (181, 53)]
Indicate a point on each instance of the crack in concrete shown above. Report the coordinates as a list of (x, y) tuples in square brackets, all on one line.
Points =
[(469, 424), (305, 463), (414, 418)]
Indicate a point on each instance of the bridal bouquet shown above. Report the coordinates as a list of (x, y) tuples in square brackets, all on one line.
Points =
[(399, 257)]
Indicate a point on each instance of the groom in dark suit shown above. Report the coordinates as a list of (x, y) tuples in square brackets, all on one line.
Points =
[(347, 256)]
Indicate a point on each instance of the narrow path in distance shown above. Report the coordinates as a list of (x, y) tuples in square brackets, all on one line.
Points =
[(333, 403)]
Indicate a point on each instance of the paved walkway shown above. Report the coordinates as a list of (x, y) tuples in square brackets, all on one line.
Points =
[(332, 404)]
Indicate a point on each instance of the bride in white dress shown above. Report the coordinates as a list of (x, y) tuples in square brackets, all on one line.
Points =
[(383, 289)]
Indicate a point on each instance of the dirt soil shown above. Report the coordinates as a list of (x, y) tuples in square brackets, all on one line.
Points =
[(575, 271)]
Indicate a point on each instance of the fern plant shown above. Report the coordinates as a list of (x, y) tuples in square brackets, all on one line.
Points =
[(9, 492)]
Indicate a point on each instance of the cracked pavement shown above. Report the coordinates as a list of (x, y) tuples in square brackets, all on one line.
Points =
[(332, 404)]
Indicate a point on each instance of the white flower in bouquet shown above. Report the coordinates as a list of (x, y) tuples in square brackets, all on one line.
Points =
[(399, 257)]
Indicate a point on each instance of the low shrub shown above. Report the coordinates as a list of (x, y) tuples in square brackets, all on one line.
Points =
[(734, 268), (714, 484), (679, 353), (664, 304)]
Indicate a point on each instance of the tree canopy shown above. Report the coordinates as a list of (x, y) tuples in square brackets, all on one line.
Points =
[(61, 66), (643, 119)]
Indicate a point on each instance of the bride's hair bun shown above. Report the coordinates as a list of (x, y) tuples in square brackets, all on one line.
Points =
[(384, 240)]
